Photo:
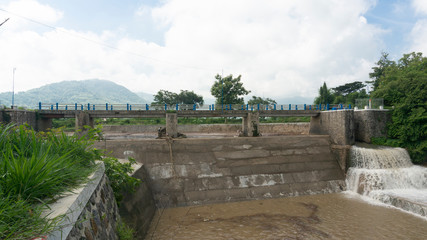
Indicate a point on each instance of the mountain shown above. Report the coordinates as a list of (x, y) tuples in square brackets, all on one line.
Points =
[(87, 91)]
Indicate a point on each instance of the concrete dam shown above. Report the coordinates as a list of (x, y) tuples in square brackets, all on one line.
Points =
[(186, 172)]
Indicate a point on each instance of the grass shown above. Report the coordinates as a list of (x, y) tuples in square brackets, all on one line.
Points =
[(34, 170)]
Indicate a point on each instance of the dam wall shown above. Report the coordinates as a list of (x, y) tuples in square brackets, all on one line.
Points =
[(186, 172), (279, 128)]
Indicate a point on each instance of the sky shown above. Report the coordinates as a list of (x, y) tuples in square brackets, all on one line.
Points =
[(284, 50)]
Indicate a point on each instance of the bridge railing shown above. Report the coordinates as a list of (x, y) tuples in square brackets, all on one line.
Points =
[(194, 107)]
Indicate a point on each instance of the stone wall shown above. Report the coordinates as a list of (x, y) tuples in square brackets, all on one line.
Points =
[(202, 171), (137, 209), (371, 123), (282, 128), (92, 214)]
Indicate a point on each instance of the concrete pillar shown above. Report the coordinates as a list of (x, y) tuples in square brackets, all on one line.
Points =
[(172, 125), (43, 124), (250, 125), (83, 122)]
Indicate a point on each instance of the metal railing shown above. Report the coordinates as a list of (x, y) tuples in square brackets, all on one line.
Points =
[(187, 107)]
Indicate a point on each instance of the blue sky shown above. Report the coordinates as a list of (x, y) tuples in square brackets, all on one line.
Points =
[(284, 50)]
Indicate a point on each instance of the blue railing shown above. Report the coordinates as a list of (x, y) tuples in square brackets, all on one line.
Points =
[(193, 107)]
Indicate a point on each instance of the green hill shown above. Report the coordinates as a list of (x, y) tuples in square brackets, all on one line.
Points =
[(87, 91)]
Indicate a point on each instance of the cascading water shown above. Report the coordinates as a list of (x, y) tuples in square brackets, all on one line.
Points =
[(387, 174)]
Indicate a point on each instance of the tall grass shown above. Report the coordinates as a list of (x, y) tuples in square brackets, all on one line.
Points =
[(35, 169)]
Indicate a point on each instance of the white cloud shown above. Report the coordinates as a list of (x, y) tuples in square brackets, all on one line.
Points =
[(281, 48), (30, 9), (420, 6), (419, 37)]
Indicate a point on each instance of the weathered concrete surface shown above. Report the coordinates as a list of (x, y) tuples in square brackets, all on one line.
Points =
[(371, 123), (201, 171), (172, 125), (339, 125), (137, 209), (83, 122), (279, 128), (20, 117)]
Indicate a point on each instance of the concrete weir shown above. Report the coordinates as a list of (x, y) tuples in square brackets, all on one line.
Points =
[(186, 172)]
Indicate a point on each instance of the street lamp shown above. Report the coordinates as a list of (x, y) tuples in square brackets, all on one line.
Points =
[(13, 88)]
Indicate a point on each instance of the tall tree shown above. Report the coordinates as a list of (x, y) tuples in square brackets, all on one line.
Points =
[(228, 90), (404, 86), (325, 95), (259, 100), (349, 92), (379, 70)]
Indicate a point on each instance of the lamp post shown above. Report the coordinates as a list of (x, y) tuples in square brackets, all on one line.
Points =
[(13, 88)]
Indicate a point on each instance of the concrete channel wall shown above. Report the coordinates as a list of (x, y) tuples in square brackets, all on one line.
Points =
[(280, 128), (201, 171)]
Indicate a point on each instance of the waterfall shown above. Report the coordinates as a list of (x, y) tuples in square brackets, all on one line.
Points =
[(388, 175)]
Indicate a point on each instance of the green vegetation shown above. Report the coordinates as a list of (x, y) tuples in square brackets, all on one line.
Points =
[(125, 232), (37, 168), (403, 84), (259, 100), (118, 174), (228, 90), (184, 97), (344, 94)]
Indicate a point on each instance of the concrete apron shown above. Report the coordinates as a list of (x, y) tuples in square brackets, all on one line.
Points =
[(186, 172)]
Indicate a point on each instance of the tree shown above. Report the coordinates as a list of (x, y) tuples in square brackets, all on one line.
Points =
[(349, 92), (379, 70), (165, 97), (259, 100), (228, 90), (184, 97), (348, 88), (404, 86), (189, 97), (325, 95)]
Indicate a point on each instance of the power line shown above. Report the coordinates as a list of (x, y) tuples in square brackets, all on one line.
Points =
[(4, 21), (106, 45)]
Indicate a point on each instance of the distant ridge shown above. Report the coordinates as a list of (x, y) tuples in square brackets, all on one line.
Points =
[(85, 91)]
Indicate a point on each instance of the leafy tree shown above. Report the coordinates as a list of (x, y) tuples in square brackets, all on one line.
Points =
[(164, 96), (229, 90), (184, 97), (404, 86), (189, 97), (325, 95), (348, 88), (380, 69), (259, 100)]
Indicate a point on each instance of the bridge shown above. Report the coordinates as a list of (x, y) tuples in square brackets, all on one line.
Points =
[(85, 113)]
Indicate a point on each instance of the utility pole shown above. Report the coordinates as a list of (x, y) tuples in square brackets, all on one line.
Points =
[(13, 88), (222, 91)]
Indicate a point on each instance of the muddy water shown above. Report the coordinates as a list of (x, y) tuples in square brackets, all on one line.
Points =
[(327, 216)]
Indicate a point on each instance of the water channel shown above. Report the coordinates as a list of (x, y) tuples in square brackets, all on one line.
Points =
[(377, 178)]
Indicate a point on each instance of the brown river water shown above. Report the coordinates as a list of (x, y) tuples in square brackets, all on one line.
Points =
[(324, 216)]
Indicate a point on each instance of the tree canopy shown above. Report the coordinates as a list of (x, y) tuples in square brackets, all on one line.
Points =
[(228, 90), (259, 100), (404, 86), (184, 97), (325, 95)]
